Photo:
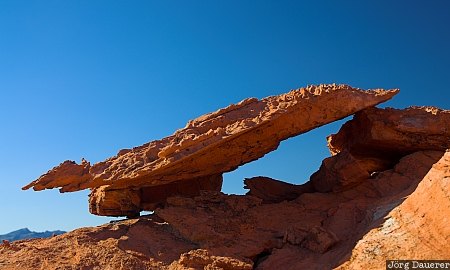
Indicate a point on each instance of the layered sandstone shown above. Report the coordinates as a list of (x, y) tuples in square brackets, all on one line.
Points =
[(384, 194), (141, 178), (417, 227), (377, 132), (356, 228), (375, 139), (272, 191)]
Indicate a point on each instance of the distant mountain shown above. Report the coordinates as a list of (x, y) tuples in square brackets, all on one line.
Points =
[(25, 233)]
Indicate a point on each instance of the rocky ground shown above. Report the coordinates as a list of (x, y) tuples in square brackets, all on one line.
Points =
[(400, 213)]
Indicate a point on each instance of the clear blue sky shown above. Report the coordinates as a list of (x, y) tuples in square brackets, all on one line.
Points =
[(87, 78)]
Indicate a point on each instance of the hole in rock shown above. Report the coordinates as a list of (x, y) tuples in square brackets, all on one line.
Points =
[(146, 213), (294, 161)]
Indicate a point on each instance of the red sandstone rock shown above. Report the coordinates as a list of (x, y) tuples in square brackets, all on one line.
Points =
[(201, 259), (319, 240), (272, 191), (370, 202), (416, 228), (218, 142), (394, 132), (344, 170), (208, 146), (105, 201), (6, 243), (362, 214), (314, 231)]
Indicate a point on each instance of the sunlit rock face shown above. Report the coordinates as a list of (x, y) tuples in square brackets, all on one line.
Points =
[(383, 194), (375, 131), (401, 212), (194, 158)]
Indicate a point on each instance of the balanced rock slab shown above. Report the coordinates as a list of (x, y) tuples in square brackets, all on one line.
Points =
[(215, 143)]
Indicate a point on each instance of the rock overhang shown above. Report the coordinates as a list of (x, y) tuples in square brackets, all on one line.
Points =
[(212, 144)]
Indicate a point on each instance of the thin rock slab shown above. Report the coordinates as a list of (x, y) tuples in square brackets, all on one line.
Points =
[(217, 142)]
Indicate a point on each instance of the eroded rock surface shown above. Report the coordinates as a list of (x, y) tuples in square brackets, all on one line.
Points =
[(208, 146), (358, 210), (105, 201), (272, 191), (394, 132), (354, 228), (417, 228)]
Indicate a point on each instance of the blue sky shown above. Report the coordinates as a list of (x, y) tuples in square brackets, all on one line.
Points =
[(87, 78)]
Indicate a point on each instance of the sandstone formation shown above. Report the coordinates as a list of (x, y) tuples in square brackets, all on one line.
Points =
[(417, 228), (356, 228), (207, 147), (375, 139), (272, 191), (378, 132), (383, 194)]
